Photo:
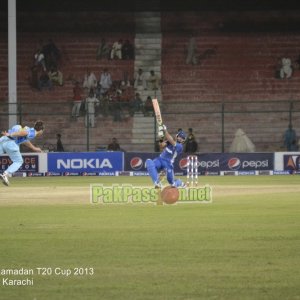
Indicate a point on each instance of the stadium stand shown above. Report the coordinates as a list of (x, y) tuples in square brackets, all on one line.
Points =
[(233, 67), (236, 65)]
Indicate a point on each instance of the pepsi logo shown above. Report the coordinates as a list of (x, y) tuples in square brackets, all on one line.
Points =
[(183, 163), (136, 163), (234, 163)]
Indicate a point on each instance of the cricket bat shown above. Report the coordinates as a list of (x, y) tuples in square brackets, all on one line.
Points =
[(157, 111)]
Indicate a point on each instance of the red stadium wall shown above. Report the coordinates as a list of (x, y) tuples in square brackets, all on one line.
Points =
[(240, 51)]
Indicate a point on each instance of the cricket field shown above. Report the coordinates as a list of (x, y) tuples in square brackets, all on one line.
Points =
[(56, 244)]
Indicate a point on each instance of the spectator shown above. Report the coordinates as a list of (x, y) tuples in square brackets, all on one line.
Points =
[(290, 138), (140, 81), (44, 81), (191, 145), (153, 81), (148, 107), (127, 93), (104, 105), (39, 59), (105, 82), (241, 143), (116, 105), (56, 76), (126, 78), (191, 57), (52, 54), (123, 87), (191, 134), (116, 51), (90, 80), (77, 97), (114, 145), (286, 68), (103, 50), (59, 145), (90, 103), (136, 104), (294, 146), (127, 50)]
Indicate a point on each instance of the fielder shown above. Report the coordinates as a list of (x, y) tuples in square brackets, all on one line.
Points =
[(10, 144), (166, 159)]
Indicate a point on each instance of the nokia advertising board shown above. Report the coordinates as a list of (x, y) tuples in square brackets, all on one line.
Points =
[(85, 162)]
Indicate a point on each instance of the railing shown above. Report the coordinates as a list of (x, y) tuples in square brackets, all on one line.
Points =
[(76, 135), (213, 123), (264, 121)]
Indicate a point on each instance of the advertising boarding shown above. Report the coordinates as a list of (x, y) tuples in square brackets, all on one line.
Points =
[(30, 163), (216, 162), (211, 163), (85, 162)]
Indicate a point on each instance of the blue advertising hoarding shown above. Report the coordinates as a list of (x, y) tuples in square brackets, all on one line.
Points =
[(89, 162), (136, 161), (215, 162), (102, 162), (208, 162)]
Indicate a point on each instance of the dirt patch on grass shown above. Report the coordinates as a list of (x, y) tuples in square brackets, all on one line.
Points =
[(230, 190), (44, 195), (81, 194)]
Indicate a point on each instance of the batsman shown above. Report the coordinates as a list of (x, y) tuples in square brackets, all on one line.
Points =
[(165, 162)]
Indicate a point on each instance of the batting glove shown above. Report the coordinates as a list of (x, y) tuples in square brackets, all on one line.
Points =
[(161, 134), (162, 127)]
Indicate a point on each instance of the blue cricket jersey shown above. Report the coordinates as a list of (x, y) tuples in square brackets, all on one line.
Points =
[(170, 152), (22, 139)]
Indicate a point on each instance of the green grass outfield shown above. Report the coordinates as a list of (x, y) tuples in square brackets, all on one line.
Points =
[(243, 245)]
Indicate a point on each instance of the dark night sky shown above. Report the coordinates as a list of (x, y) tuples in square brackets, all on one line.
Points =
[(158, 5)]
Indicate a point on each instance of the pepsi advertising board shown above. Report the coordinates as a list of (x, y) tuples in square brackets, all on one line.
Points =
[(89, 162), (136, 161), (215, 162), (211, 163), (30, 163)]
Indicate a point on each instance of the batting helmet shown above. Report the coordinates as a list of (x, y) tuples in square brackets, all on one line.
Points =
[(181, 134)]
